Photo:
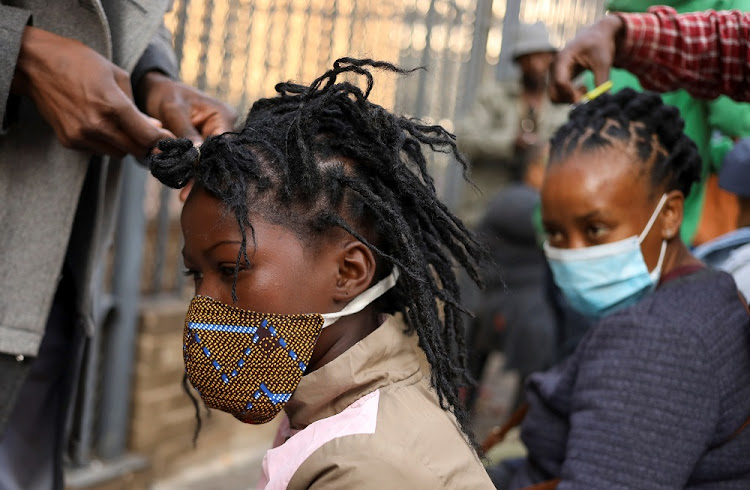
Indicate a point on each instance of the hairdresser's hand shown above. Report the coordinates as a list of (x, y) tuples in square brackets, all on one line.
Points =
[(182, 109), (84, 97), (594, 48)]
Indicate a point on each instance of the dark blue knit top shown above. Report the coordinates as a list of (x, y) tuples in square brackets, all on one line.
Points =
[(650, 398)]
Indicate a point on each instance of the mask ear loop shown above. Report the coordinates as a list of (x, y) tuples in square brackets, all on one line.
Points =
[(651, 221), (360, 302), (657, 269), (654, 215)]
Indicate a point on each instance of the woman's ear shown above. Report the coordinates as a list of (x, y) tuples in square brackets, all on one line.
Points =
[(356, 270), (671, 215)]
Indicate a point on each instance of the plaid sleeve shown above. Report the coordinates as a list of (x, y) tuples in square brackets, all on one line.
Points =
[(705, 53)]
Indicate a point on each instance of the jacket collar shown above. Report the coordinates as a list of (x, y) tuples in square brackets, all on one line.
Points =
[(386, 356)]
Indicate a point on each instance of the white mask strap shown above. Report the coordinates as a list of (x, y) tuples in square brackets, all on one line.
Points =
[(657, 270), (363, 300), (654, 215)]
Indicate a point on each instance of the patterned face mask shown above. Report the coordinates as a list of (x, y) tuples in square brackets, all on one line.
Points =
[(248, 363)]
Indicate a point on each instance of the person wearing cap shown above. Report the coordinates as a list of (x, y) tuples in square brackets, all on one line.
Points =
[(731, 252), (508, 118)]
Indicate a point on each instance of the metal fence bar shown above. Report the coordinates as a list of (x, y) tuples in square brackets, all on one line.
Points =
[(476, 64), (120, 346), (420, 106), (505, 68), (179, 31), (208, 8), (82, 441), (162, 235)]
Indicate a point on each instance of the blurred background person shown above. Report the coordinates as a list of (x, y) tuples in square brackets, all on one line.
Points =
[(515, 314), (507, 119), (731, 252)]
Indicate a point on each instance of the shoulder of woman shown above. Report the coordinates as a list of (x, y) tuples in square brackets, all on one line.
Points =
[(701, 305), (362, 461)]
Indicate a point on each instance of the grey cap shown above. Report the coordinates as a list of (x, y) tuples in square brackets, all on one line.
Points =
[(734, 176), (532, 38)]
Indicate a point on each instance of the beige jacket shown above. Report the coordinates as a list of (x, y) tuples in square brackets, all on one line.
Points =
[(370, 420)]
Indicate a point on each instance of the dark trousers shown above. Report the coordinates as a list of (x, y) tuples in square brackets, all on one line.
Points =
[(31, 445)]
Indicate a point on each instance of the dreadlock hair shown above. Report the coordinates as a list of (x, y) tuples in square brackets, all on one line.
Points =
[(651, 130), (323, 156)]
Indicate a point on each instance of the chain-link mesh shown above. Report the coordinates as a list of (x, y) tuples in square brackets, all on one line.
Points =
[(237, 50)]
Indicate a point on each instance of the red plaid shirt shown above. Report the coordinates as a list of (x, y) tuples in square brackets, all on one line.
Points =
[(706, 53)]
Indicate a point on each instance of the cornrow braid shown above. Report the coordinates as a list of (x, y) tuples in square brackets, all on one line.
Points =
[(650, 128), (323, 156)]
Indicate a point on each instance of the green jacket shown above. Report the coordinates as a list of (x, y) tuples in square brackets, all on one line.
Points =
[(702, 117)]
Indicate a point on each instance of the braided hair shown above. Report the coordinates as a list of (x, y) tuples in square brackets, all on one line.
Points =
[(651, 130), (323, 156)]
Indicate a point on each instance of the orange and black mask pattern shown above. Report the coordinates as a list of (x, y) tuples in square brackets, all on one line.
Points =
[(244, 362)]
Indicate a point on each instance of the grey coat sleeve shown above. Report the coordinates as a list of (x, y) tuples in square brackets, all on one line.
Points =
[(159, 56), (12, 23)]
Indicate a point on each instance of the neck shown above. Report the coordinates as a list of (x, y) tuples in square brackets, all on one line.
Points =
[(534, 85), (337, 338), (677, 255), (535, 92)]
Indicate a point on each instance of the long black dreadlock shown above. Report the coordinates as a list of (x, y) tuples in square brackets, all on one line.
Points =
[(321, 156), (652, 130)]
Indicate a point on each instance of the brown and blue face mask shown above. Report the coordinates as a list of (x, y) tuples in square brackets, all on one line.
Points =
[(248, 363)]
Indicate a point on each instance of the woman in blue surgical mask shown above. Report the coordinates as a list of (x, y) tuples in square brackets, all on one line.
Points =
[(657, 393)]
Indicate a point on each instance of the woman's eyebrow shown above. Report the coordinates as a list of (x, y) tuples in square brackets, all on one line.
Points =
[(223, 242), (598, 213)]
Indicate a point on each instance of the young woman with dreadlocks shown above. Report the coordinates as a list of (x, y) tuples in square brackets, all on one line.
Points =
[(658, 391), (324, 274)]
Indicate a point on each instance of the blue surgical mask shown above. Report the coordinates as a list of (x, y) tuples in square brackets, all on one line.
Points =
[(599, 280)]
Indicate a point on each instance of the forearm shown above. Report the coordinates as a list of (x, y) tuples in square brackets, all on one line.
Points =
[(705, 53), (13, 21)]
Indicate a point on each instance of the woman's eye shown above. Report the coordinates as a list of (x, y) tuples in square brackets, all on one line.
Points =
[(227, 271), (596, 231), (553, 236), (196, 275)]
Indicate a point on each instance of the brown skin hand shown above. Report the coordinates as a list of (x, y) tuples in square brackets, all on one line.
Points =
[(601, 196), (84, 97), (88, 100), (285, 275), (594, 48), (182, 109)]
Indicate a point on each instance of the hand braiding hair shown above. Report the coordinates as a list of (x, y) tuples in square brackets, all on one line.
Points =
[(323, 156), (652, 130)]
